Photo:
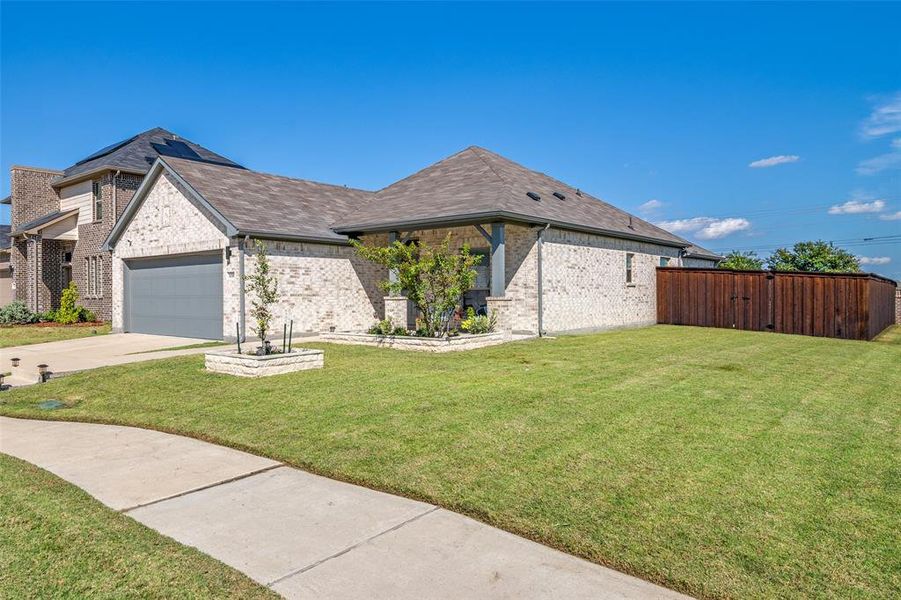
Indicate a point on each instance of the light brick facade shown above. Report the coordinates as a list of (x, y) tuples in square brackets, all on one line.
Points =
[(327, 287), (321, 286), (584, 281)]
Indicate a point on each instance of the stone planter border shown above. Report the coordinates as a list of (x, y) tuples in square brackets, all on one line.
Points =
[(418, 344), (245, 365)]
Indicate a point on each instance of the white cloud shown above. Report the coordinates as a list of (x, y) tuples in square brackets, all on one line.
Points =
[(857, 207), (885, 118), (707, 228), (650, 206), (874, 260), (895, 216), (772, 161), (889, 160)]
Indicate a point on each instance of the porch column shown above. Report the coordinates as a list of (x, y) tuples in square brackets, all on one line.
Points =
[(499, 306), (498, 260)]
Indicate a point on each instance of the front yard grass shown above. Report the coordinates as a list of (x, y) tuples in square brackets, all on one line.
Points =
[(22, 335), (715, 462), (58, 542)]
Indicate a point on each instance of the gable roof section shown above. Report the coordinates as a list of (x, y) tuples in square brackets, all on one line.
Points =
[(136, 155), (5, 242), (257, 204), (476, 184)]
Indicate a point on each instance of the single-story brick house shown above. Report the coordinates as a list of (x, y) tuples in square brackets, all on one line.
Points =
[(556, 258)]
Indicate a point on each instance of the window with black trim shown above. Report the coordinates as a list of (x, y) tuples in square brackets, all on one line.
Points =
[(629, 257)]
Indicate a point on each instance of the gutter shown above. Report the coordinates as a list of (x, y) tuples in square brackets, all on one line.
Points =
[(241, 291), (499, 215), (540, 244)]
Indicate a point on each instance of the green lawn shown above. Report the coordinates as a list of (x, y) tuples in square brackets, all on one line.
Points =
[(58, 542), (21, 335), (716, 462)]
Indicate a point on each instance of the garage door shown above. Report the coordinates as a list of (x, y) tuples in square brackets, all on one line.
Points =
[(179, 295)]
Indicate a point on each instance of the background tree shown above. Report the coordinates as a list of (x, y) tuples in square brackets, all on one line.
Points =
[(742, 261), (433, 277), (264, 286), (817, 256)]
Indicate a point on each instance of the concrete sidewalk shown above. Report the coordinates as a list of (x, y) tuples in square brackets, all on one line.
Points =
[(67, 356), (303, 535)]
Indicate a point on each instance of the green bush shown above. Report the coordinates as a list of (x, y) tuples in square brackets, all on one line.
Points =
[(474, 323), (383, 327), (46, 316), (68, 312), (16, 313)]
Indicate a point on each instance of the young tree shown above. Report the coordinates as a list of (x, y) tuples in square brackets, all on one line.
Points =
[(68, 312), (818, 256), (742, 261), (433, 277), (265, 287)]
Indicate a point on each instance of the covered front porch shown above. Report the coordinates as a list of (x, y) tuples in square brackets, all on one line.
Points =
[(506, 278), (44, 249)]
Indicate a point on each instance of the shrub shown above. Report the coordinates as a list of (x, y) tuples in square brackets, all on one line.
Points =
[(474, 323), (46, 316), (400, 331), (68, 312), (383, 327), (85, 315), (16, 313)]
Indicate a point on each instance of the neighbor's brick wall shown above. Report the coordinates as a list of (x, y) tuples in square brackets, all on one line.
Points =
[(31, 194), (90, 240), (167, 223), (32, 197), (585, 281)]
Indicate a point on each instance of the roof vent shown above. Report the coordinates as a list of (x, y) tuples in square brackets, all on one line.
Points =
[(533, 196), (578, 192), (559, 195)]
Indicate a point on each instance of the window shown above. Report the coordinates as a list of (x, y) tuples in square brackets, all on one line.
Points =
[(93, 272), (67, 257), (664, 261), (89, 274), (629, 257), (98, 201)]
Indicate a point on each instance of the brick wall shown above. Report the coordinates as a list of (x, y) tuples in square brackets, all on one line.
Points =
[(91, 237), (584, 281), (32, 195)]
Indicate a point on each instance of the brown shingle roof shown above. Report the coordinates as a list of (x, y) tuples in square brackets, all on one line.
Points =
[(259, 203), (477, 182)]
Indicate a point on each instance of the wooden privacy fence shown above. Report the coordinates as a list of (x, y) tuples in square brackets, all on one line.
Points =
[(856, 306)]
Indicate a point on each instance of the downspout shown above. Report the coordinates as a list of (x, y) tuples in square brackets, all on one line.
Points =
[(540, 280), (241, 317)]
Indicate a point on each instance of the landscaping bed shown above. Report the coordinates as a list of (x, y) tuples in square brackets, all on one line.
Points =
[(719, 463), (230, 362), (418, 343)]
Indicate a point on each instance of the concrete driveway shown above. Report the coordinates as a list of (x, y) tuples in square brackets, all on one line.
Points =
[(68, 356), (303, 535)]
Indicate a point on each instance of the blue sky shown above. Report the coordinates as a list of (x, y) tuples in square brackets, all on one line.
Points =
[(659, 109)]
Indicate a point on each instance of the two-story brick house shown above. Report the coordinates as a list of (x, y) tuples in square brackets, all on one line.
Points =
[(60, 218)]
